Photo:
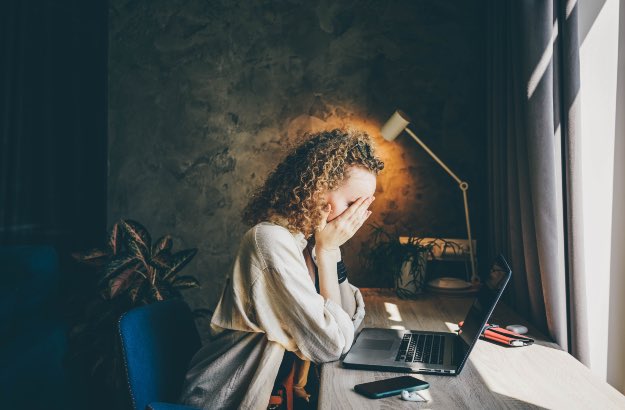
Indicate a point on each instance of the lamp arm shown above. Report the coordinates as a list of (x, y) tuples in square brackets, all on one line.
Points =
[(433, 155), (464, 187)]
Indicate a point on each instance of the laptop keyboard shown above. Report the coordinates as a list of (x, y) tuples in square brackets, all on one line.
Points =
[(421, 348)]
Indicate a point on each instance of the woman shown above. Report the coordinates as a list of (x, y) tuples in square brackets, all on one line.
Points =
[(285, 293)]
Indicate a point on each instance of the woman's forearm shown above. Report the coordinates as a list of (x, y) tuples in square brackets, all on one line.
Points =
[(328, 278), (347, 298)]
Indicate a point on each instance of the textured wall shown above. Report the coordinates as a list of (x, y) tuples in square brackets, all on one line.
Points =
[(203, 97)]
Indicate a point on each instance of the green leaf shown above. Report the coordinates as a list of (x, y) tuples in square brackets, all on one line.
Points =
[(155, 294), (178, 261), (120, 283), (117, 265), (137, 238), (186, 282), (114, 241), (138, 291), (94, 256), (162, 245), (169, 291), (160, 262)]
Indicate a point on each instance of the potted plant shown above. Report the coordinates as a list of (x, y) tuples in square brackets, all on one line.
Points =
[(405, 258), (129, 271), (131, 266)]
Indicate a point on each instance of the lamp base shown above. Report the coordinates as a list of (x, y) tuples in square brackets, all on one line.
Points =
[(449, 284)]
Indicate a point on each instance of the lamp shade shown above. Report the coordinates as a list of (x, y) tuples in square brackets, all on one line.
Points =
[(395, 125)]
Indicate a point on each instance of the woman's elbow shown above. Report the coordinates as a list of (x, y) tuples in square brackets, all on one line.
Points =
[(332, 350), (326, 356)]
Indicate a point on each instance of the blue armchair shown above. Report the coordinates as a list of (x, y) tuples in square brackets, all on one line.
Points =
[(158, 342)]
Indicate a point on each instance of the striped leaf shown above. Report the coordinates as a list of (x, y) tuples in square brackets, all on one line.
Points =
[(115, 239), (178, 261), (117, 265), (138, 291), (160, 262), (137, 238), (186, 282), (170, 290), (120, 283), (155, 294), (91, 257), (162, 245)]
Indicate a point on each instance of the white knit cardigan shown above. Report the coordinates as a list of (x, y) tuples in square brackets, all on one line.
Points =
[(268, 305)]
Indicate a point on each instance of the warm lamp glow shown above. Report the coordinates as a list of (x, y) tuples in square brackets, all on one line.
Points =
[(310, 124)]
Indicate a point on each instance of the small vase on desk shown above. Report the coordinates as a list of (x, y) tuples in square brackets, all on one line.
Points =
[(410, 281)]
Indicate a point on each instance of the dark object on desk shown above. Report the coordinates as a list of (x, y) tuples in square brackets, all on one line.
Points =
[(503, 336), (158, 341), (423, 351), (520, 329), (471, 290), (390, 387)]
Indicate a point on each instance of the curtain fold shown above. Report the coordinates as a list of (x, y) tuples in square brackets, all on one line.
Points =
[(533, 82), (570, 118)]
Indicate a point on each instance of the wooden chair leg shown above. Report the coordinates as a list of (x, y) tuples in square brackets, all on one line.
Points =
[(288, 387), (282, 399)]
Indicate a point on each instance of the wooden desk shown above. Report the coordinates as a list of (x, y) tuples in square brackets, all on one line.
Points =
[(495, 377)]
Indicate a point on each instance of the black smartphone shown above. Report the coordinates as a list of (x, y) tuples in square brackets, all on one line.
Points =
[(390, 387)]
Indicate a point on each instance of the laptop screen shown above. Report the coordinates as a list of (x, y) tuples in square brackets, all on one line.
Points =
[(484, 303)]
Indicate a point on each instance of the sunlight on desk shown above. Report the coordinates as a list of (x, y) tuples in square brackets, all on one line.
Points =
[(393, 312), (453, 327), (555, 368)]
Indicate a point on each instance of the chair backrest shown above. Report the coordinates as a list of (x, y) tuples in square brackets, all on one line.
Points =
[(158, 342)]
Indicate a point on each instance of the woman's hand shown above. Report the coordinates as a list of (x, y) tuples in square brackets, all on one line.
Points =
[(330, 235)]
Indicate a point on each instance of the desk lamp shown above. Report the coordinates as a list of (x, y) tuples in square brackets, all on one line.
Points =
[(394, 126)]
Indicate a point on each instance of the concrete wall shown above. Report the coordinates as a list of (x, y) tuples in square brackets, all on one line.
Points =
[(204, 96)]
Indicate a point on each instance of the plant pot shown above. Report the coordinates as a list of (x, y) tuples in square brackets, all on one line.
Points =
[(410, 281)]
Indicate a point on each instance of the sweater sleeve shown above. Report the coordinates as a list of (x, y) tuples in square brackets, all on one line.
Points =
[(288, 308), (359, 315)]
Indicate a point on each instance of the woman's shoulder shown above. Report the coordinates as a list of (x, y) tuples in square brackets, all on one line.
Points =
[(267, 227), (272, 232), (272, 240)]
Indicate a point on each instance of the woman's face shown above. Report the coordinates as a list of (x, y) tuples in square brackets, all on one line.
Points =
[(360, 182)]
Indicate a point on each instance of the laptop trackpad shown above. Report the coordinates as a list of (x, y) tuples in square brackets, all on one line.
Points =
[(376, 344)]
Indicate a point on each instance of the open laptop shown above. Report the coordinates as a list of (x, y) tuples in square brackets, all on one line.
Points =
[(422, 351)]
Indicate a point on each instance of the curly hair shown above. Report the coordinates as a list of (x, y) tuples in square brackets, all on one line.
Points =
[(294, 190)]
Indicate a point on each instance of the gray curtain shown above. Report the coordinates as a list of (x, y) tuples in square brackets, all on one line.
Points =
[(533, 122), (53, 144)]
